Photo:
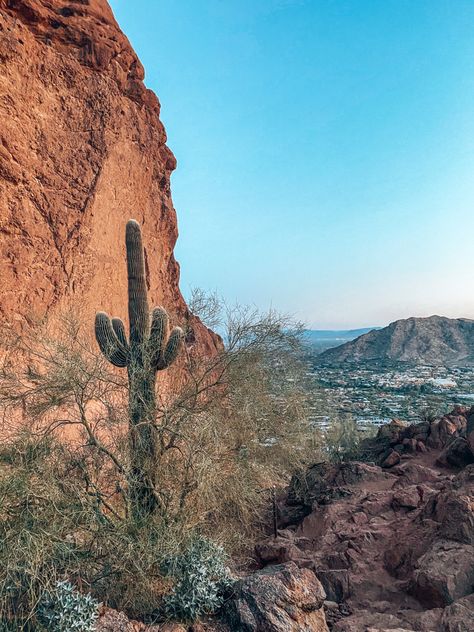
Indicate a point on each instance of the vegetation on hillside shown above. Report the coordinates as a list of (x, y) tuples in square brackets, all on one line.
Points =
[(227, 429)]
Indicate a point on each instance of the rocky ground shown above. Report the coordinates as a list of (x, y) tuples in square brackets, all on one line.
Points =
[(390, 541), (367, 546)]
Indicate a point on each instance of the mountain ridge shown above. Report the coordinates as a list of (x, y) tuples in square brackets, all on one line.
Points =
[(425, 340)]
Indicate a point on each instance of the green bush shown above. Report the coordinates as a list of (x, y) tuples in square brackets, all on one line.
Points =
[(64, 609), (201, 577), (343, 440)]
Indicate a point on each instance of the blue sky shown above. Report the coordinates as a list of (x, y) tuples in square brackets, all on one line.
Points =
[(325, 151)]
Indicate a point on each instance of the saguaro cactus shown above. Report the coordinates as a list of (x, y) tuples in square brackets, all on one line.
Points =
[(150, 348)]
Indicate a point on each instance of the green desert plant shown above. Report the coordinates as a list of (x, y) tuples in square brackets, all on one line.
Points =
[(64, 609), (229, 425), (343, 440), (201, 578), (150, 348)]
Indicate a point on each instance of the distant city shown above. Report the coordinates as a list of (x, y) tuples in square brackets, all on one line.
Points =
[(375, 392)]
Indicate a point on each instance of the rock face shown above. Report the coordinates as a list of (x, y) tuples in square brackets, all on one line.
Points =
[(82, 150), (433, 340), (392, 547)]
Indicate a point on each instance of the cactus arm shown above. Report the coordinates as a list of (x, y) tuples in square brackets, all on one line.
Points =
[(172, 348), (108, 342), (119, 328), (158, 335), (137, 290)]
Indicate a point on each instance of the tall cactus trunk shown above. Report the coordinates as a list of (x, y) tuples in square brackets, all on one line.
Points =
[(142, 439), (141, 382), (150, 348)]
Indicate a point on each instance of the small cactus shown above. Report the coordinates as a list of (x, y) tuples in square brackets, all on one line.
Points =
[(150, 348)]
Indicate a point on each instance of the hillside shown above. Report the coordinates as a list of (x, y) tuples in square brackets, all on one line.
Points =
[(432, 340)]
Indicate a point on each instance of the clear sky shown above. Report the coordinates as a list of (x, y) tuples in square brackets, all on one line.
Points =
[(325, 151)]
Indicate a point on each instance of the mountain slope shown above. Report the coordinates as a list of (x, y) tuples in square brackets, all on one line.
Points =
[(432, 340)]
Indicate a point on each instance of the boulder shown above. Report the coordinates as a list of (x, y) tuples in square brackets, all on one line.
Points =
[(456, 454), (443, 574), (288, 515), (325, 482), (454, 511), (418, 431), (410, 445), (336, 583), (470, 430), (421, 446), (408, 498), (459, 616), (276, 551), (392, 432), (113, 621), (282, 598), (411, 473), (433, 440), (392, 458), (444, 429), (366, 620), (449, 426)]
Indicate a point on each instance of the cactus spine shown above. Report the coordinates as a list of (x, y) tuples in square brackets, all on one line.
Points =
[(150, 348)]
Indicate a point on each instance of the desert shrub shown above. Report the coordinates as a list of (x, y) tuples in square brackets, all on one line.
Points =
[(227, 427), (343, 440), (64, 609), (53, 527), (201, 577)]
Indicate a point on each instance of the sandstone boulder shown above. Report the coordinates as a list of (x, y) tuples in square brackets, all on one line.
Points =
[(456, 454), (279, 598), (418, 431), (113, 621), (459, 616), (276, 551), (453, 511), (336, 583), (470, 430), (443, 574), (407, 498), (411, 473), (392, 458)]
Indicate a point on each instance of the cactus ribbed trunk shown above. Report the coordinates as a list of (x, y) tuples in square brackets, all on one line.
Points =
[(141, 382), (150, 348), (142, 437)]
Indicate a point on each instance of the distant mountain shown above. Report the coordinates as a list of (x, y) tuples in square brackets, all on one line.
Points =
[(432, 340), (322, 339)]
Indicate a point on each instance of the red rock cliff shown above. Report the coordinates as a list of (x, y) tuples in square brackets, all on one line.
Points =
[(82, 149)]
